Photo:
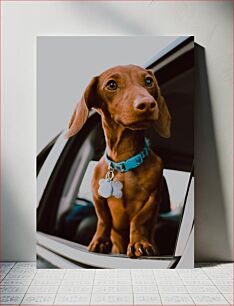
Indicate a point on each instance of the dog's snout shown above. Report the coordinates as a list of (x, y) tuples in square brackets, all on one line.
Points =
[(145, 105)]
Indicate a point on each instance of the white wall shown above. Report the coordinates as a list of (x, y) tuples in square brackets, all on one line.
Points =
[(210, 23)]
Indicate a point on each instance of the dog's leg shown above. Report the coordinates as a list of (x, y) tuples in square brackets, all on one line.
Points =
[(119, 242), (101, 242), (139, 244)]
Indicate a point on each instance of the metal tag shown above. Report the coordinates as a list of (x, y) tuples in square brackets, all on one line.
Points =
[(109, 187), (117, 189), (105, 189)]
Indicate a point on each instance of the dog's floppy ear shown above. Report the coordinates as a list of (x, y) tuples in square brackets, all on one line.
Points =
[(81, 112), (163, 124)]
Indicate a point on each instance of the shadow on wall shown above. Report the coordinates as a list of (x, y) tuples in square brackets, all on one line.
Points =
[(210, 218), (106, 13)]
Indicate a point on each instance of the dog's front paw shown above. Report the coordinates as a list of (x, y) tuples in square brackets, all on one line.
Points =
[(140, 248), (100, 245)]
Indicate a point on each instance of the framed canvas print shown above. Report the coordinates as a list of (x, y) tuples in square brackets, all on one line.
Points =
[(115, 130)]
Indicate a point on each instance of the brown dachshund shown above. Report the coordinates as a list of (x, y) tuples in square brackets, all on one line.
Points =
[(129, 101)]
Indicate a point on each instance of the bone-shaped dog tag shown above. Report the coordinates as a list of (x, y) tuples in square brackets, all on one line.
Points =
[(105, 188), (109, 188)]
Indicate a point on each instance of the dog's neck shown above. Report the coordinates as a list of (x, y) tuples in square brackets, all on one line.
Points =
[(121, 142)]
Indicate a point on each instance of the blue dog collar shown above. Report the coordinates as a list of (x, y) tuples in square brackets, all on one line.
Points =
[(130, 163)]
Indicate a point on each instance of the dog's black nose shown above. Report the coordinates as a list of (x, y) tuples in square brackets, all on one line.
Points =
[(145, 105)]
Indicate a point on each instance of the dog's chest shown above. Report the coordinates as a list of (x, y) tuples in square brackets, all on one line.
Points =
[(136, 192)]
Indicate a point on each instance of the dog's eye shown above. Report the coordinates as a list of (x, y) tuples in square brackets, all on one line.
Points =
[(149, 82), (111, 85)]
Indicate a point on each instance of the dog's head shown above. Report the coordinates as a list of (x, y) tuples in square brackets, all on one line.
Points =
[(129, 95)]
